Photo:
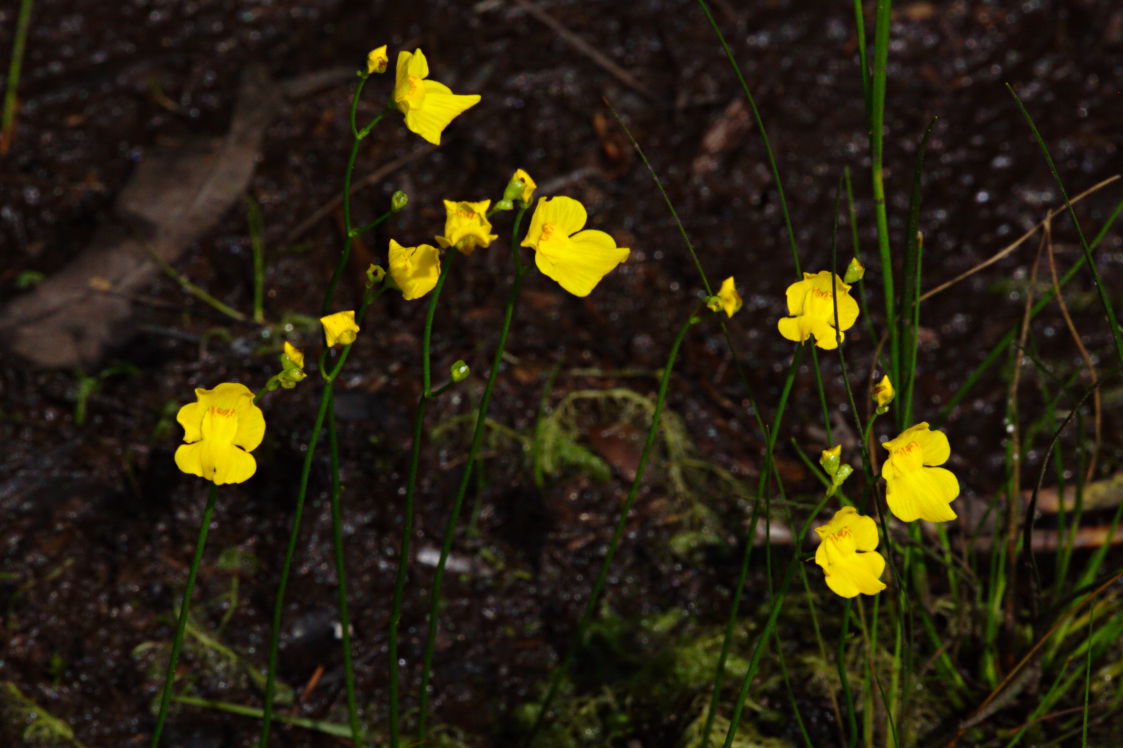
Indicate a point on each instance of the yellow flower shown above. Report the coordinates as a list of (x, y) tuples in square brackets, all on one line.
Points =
[(220, 430), (294, 354), (847, 554), (340, 328), (830, 459), (915, 488), (377, 60), (528, 186), (428, 106), (466, 226), (811, 304), (883, 393), (576, 259), (414, 269), (730, 300)]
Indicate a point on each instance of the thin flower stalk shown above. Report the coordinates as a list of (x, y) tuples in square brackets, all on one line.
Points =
[(465, 478), (618, 530), (181, 624), (411, 490), (326, 399)]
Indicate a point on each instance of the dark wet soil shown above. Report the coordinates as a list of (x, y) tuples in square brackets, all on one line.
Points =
[(98, 525)]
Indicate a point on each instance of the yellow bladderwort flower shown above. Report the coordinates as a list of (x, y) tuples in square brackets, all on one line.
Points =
[(576, 259), (883, 394), (811, 304), (414, 269), (915, 488), (466, 226), (220, 429), (727, 299), (340, 328), (528, 187), (377, 60), (847, 554), (428, 106)]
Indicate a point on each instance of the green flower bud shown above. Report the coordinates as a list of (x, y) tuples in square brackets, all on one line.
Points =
[(459, 371), (855, 271), (398, 201)]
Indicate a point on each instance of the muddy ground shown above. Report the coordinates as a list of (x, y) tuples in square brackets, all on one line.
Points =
[(98, 525)]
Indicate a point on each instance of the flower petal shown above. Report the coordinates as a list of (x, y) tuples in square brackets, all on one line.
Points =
[(825, 335), (233, 466), (190, 417), (567, 214), (797, 293), (794, 329), (579, 264), (922, 494), (865, 533), (439, 108), (935, 445)]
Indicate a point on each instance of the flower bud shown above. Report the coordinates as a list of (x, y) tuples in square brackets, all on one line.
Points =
[(375, 275), (521, 188), (855, 271), (377, 60), (459, 371), (830, 459), (883, 394), (398, 201)]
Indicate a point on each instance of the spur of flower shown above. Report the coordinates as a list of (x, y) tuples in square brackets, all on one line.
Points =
[(915, 487), (812, 308), (576, 259), (340, 328), (414, 269), (466, 226), (220, 429), (727, 299), (428, 106), (847, 552)]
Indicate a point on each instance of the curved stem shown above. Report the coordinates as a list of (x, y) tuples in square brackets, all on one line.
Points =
[(411, 488), (462, 489), (181, 625), (618, 530)]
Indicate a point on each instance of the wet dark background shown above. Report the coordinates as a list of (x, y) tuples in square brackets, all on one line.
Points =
[(97, 523)]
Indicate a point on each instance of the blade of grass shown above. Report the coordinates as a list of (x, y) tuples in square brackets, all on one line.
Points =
[(1116, 334), (15, 66), (763, 135)]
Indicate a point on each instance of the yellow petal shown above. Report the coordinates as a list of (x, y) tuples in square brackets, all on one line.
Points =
[(792, 329), (190, 417), (579, 264), (188, 458), (566, 214), (922, 494), (731, 301), (340, 328), (858, 573), (415, 269), (825, 335), (865, 533), (377, 61), (439, 108), (796, 294), (232, 465)]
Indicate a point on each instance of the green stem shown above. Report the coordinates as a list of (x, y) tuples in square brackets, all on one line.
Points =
[(877, 148), (411, 489), (19, 43), (618, 530), (184, 607), (750, 537), (341, 574), (286, 567), (465, 478), (770, 624), (763, 135), (257, 247)]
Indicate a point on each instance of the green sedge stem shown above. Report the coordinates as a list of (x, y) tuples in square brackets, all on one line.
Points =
[(761, 499), (1097, 281), (1008, 338), (257, 247), (19, 43), (328, 728), (618, 530), (462, 488), (877, 147), (411, 489), (341, 575), (770, 624), (286, 567), (763, 135), (184, 607), (844, 680)]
